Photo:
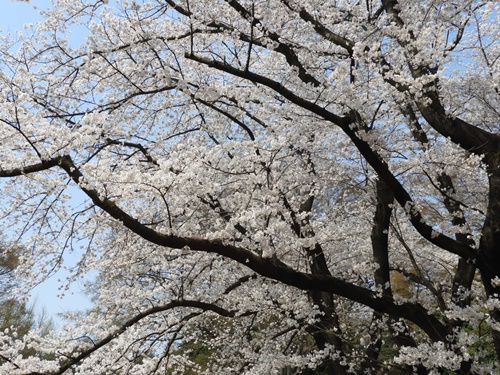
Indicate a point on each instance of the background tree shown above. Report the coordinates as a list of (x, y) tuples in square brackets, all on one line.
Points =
[(17, 317), (13, 313), (320, 178)]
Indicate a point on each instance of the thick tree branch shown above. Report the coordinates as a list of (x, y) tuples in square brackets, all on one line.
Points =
[(322, 30), (468, 136), (42, 166), (283, 48)]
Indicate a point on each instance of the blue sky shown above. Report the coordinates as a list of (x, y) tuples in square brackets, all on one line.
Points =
[(13, 15)]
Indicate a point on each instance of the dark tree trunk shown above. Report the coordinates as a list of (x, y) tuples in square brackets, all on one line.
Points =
[(489, 247), (380, 248)]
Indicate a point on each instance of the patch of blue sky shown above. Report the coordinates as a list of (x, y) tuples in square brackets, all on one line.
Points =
[(14, 15)]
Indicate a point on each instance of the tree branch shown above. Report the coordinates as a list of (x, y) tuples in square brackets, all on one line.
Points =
[(129, 323)]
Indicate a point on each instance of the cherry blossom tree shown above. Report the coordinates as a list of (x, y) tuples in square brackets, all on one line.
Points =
[(295, 187)]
